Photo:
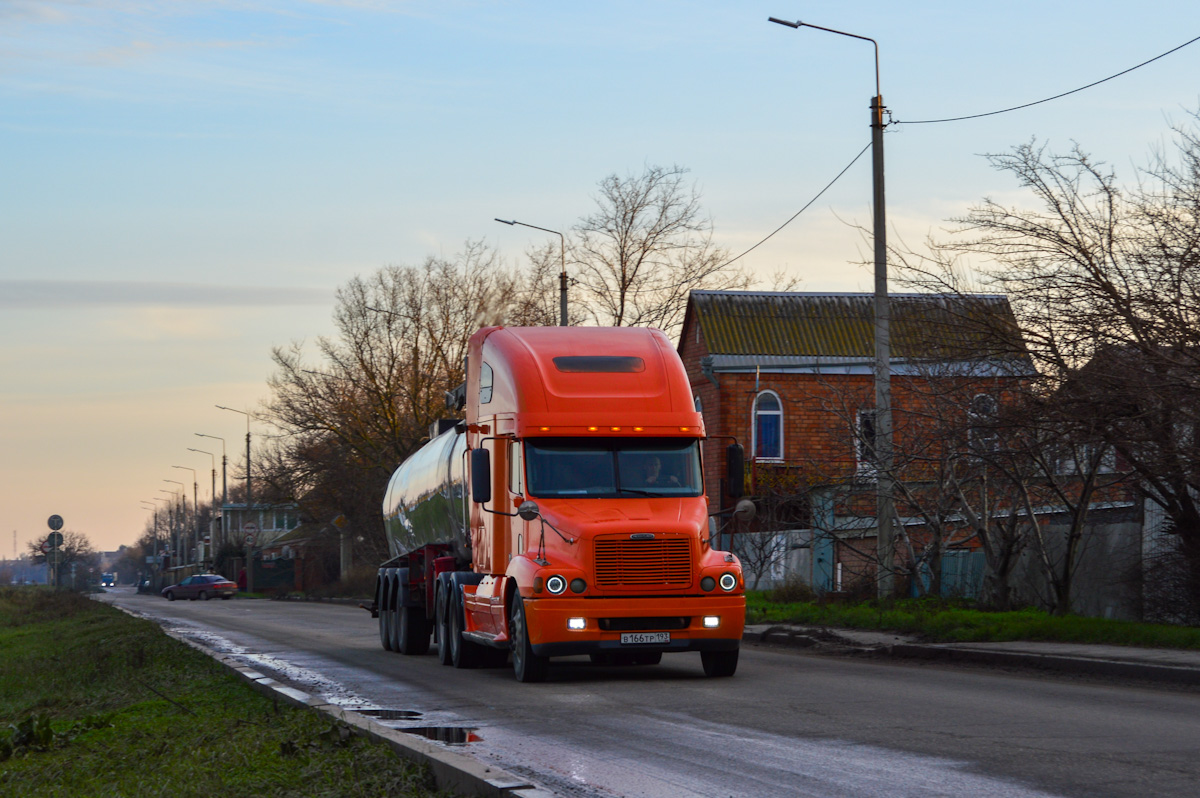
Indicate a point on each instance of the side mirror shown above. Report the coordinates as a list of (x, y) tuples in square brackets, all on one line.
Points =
[(528, 510), (481, 476), (735, 470), (744, 512)]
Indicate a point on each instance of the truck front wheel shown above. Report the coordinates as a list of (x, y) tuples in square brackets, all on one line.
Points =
[(527, 666), (719, 663), (463, 653), (442, 622)]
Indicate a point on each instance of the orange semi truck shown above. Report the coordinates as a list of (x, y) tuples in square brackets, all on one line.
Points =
[(565, 516)]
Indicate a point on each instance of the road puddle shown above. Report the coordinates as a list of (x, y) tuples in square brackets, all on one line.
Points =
[(451, 735), (390, 714)]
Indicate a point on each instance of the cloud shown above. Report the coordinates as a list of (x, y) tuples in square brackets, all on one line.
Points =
[(54, 294)]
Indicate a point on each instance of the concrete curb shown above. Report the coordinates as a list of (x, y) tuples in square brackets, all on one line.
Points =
[(789, 637), (1089, 665), (452, 771)]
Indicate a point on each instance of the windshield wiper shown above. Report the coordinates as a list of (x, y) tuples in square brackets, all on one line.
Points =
[(649, 493)]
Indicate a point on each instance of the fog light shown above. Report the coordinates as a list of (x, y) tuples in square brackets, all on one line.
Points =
[(556, 584), (728, 581), (708, 583), (712, 621), (578, 585), (577, 624)]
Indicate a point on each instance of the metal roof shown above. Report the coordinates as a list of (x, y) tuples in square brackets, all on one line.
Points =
[(841, 326)]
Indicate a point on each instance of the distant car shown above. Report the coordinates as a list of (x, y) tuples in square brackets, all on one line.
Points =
[(108, 580), (201, 586)]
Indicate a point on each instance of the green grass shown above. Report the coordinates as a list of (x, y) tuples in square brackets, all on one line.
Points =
[(94, 702), (947, 621)]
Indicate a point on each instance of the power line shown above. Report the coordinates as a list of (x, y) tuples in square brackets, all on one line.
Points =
[(802, 210), (1048, 99)]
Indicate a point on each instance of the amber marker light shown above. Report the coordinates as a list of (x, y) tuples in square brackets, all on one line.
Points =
[(593, 429), (639, 429), (544, 429), (614, 429)]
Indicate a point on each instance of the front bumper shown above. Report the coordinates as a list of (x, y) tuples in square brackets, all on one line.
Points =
[(550, 637)]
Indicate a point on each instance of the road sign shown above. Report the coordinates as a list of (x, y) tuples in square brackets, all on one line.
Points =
[(55, 539), (46, 547), (54, 556), (55, 522), (249, 538)]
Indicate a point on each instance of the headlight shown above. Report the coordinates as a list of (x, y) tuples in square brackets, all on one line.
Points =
[(728, 581), (556, 584)]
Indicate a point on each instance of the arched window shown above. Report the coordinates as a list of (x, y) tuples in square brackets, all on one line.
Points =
[(982, 438), (768, 426)]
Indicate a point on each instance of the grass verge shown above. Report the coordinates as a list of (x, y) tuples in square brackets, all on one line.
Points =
[(939, 620), (94, 702)]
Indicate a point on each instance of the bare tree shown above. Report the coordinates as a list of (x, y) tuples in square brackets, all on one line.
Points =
[(346, 422), (1104, 283), (644, 248)]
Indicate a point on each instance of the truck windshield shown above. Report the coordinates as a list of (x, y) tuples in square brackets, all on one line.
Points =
[(612, 467)]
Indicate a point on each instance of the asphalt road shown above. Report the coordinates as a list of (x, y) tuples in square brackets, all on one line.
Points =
[(788, 724)]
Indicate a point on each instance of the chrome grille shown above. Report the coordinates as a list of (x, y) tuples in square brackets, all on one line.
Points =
[(665, 562)]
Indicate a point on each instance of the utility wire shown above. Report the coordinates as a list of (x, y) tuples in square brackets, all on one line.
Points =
[(1048, 99), (802, 210)]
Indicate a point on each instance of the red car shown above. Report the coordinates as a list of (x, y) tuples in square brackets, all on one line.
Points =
[(201, 586)]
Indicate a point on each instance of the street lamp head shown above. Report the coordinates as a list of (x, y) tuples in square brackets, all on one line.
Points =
[(796, 24), (503, 221)]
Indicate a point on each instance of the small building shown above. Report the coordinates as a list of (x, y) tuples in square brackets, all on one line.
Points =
[(790, 377)]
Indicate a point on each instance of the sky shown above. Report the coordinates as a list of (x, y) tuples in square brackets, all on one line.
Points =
[(185, 184)]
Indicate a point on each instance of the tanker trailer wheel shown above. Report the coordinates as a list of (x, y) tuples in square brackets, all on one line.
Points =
[(719, 663), (412, 630), (527, 666), (385, 620)]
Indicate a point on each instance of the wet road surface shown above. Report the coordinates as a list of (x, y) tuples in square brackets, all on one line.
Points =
[(788, 724)]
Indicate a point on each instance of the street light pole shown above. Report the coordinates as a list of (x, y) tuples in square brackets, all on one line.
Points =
[(885, 486), (154, 534), (182, 515), (171, 530), (224, 483), (562, 278), (249, 498), (195, 511), (213, 495)]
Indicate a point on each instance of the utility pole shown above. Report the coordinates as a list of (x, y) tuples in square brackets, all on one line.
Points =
[(885, 506), (562, 277)]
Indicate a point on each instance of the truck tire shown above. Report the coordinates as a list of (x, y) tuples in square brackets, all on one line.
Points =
[(463, 653), (385, 620), (527, 666), (442, 621), (412, 632), (719, 663)]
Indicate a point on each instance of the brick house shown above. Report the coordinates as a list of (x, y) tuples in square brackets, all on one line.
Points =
[(789, 375)]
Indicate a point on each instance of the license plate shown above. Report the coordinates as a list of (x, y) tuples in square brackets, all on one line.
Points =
[(641, 638)]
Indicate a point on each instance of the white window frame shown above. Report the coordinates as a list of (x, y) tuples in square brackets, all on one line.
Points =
[(754, 427)]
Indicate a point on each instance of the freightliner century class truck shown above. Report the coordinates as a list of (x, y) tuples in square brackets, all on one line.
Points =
[(565, 516)]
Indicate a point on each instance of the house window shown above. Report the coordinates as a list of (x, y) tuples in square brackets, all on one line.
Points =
[(864, 443), (981, 425), (768, 427)]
